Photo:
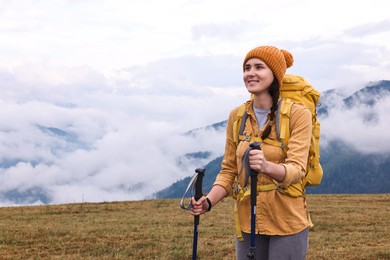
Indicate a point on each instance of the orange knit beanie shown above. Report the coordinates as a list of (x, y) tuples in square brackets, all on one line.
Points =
[(277, 60)]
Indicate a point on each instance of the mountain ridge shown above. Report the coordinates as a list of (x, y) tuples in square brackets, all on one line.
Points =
[(346, 170)]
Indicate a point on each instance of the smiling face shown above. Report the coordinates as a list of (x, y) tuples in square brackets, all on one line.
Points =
[(257, 76)]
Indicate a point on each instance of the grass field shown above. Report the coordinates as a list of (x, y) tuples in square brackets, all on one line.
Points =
[(346, 227)]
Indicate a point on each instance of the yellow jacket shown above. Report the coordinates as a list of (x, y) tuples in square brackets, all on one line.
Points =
[(276, 213)]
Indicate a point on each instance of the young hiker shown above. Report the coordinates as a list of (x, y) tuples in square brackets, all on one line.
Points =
[(281, 220)]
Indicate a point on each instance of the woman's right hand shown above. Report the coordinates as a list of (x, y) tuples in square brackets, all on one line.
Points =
[(199, 207)]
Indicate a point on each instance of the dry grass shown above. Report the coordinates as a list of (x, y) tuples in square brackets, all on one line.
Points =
[(347, 227)]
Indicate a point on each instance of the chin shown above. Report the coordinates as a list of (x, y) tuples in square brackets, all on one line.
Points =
[(253, 90)]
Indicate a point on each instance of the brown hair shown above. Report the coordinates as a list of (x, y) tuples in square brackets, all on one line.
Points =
[(274, 92)]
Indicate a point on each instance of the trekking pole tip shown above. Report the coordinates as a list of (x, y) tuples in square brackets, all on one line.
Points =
[(250, 255)]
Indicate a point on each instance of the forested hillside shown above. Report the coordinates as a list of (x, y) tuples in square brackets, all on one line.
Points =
[(346, 169)]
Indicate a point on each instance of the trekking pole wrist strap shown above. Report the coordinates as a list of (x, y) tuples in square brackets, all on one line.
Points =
[(209, 202)]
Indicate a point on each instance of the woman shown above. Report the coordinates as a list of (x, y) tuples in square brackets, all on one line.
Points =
[(281, 220)]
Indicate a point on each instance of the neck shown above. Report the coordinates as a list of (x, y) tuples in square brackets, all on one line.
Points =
[(263, 101)]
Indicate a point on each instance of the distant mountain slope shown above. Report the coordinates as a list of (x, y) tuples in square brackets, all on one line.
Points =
[(369, 96), (348, 171), (329, 99), (345, 169)]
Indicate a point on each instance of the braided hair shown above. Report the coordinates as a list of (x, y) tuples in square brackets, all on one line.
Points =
[(274, 92)]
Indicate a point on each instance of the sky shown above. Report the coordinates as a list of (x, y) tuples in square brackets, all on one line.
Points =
[(123, 80)]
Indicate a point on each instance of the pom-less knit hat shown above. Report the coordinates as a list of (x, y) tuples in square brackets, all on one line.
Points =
[(277, 60)]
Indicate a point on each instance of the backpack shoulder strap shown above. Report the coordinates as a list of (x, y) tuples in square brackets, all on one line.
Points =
[(282, 124), (239, 123), (283, 121), (242, 126)]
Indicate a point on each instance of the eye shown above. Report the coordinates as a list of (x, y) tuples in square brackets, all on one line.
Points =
[(259, 66), (247, 67)]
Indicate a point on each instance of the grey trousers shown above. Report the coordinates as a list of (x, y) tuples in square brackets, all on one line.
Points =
[(293, 247)]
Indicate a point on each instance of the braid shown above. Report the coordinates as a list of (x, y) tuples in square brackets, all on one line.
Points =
[(274, 92)]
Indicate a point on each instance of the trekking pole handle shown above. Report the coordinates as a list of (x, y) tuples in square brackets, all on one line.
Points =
[(254, 146), (198, 195), (199, 183)]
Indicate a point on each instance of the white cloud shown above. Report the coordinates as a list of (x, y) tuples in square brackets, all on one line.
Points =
[(363, 127), (230, 31), (364, 30), (104, 146), (111, 35)]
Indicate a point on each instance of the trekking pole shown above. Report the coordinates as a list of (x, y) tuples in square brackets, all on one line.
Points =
[(194, 186), (253, 175), (198, 195)]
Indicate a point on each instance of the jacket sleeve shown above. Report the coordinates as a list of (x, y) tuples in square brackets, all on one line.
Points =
[(228, 173), (298, 145)]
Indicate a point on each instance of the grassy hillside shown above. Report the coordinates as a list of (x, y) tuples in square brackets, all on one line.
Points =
[(347, 227)]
